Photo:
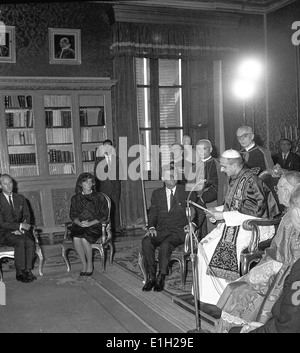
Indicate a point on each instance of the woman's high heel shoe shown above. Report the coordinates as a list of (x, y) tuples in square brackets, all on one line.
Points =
[(82, 274), (89, 273)]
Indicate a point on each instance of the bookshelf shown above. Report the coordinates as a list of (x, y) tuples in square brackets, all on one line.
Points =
[(59, 134), (20, 136), (50, 128), (92, 118)]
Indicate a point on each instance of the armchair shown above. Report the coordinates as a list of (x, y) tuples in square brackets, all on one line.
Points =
[(9, 252), (180, 254), (103, 244)]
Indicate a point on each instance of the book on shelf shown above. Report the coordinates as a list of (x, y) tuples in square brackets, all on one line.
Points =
[(92, 117), (17, 101), (22, 158)]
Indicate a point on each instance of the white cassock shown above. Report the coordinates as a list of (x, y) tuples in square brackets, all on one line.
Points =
[(211, 287)]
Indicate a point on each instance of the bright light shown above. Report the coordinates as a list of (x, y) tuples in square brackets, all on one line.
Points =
[(248, 74), (250, 69), (243, 88)]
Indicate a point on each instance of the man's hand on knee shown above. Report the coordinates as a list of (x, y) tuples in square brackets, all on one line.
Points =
[(151, 232)]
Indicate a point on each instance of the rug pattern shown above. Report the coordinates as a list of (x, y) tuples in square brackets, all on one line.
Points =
[(125, 256)]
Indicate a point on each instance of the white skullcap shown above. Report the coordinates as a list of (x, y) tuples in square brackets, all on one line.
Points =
[(231, 154)]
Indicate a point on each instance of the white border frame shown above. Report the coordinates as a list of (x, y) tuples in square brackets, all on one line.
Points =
[(65, 32), (11, 58)]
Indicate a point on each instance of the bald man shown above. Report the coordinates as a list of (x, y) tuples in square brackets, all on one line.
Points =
[(255, 157)]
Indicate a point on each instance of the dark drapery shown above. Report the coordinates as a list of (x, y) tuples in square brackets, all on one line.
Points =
[(132, 207), (159, 40)]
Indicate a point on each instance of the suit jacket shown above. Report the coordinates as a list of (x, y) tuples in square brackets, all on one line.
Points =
[(10, 220), (291, 163), (108, 180), (175, 219)]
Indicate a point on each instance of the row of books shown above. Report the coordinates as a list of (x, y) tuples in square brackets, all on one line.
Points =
[(58, 118), (88, 156), (63, 135), (20, 138), (89, 134), (59, 156), (19, 119), (57, 101), (88, 167), (92, 116), (61, 169), (22, 158), (24, 171), (17, 101)]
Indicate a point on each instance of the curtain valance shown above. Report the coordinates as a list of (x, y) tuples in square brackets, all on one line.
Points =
[(172, 40)]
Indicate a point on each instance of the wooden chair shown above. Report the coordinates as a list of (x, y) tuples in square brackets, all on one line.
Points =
[(9, 252), (103, 244), (180, 254)]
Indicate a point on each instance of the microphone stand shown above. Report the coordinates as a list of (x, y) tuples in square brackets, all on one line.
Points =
[(193, 257)]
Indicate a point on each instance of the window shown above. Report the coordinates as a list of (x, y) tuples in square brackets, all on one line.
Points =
[(159, 107)]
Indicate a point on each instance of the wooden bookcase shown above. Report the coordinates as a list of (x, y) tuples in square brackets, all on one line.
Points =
[(50, 129)]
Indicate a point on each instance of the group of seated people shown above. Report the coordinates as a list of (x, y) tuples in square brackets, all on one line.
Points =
[(248, 301), (88, 210), (264, 299)]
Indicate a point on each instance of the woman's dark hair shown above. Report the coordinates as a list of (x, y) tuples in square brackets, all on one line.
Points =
[(81, 179)]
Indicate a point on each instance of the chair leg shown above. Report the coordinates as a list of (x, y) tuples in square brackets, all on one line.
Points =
[(142, 267), (38, 251), (102, 255), (65, 257), (111, 253)]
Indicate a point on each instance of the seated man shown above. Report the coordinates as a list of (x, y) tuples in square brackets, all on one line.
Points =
[(167, 221), (254, 156), (15, 229), (218, 255), (251, 297), (287, 159)]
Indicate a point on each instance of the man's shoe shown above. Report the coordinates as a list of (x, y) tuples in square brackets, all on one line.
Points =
[(150, 283), (30, 275), (160, 283), (22, 278)]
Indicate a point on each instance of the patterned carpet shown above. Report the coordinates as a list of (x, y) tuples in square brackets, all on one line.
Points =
[(126, 255)]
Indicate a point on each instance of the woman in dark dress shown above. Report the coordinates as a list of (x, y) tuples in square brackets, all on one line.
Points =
[(88, 210)]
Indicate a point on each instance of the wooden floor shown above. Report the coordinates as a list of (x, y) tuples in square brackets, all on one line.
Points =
[(104, 303)]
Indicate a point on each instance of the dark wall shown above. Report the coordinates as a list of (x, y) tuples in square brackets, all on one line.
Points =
[(282, 71), (250, 34), (32, 21)]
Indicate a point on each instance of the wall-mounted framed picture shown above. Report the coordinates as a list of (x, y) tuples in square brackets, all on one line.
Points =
[(64, 46), (8, 45)]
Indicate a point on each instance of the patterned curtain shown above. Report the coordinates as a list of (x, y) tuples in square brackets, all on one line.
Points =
[(171, 40)]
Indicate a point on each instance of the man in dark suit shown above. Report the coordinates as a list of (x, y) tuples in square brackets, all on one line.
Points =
[(15, 229), (167, 224), (286, 158), (108, 175)]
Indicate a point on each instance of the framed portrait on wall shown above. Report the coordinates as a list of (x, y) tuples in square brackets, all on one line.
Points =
[(8, 45), (64, 46)]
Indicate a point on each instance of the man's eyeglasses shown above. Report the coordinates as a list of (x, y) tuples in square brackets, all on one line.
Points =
[(241, 137)]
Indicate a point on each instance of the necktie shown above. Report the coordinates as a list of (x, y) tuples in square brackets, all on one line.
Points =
[(171, 198), (284, 158), (10, 202)]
